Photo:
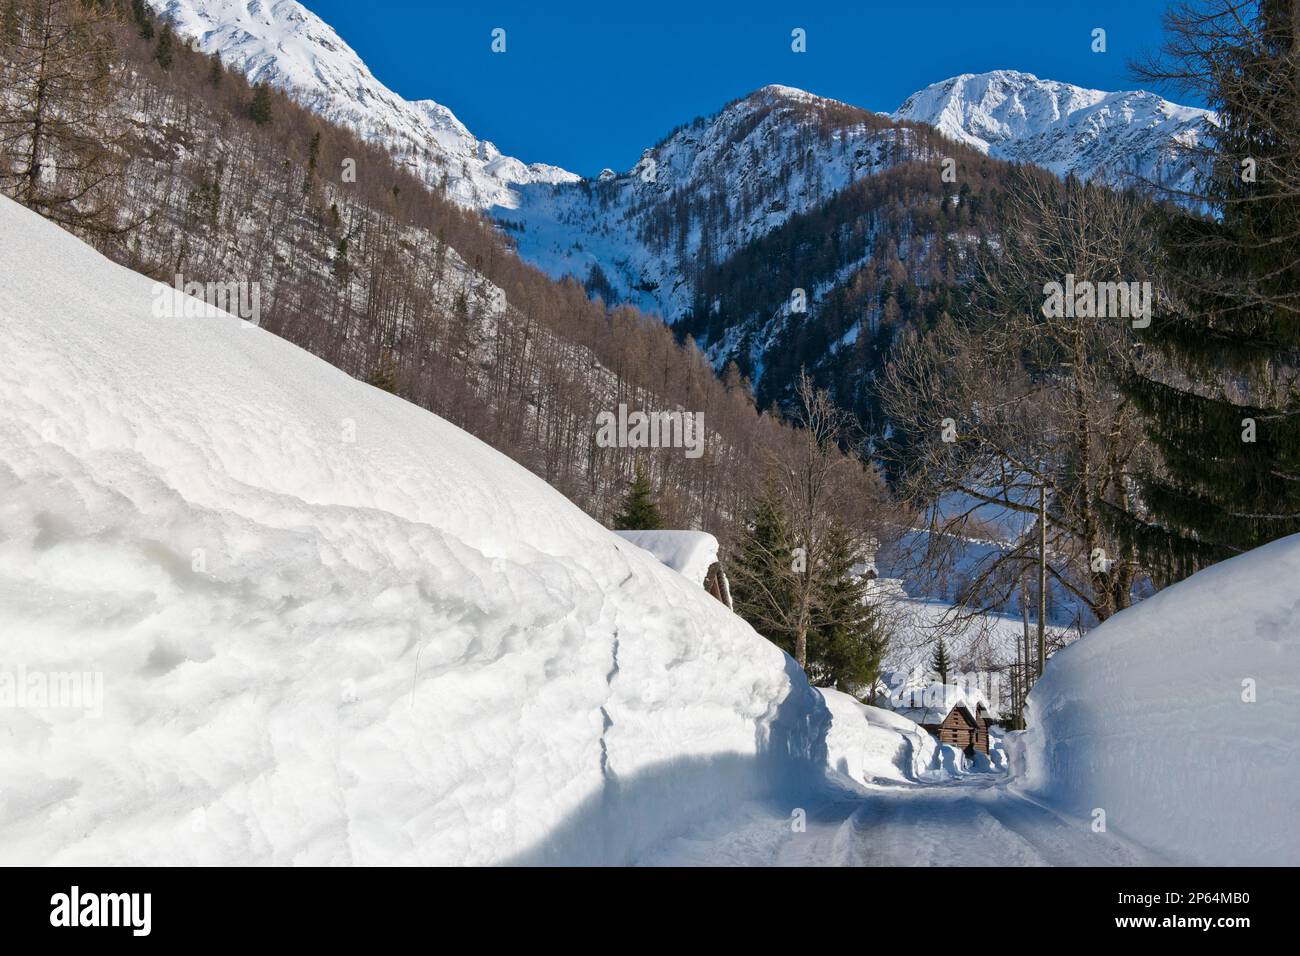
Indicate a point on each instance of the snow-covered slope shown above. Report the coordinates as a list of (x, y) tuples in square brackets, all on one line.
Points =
[(1064, 128), (283, 44), (328, 626), (1177, 717)]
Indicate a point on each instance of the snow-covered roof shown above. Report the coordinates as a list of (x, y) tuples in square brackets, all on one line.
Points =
[(689, 553), (932, 703)]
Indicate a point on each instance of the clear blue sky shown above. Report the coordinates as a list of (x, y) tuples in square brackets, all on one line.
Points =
[(589, 85)]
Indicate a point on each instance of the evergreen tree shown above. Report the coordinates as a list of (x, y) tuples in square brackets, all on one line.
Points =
[(1223, 405), (848, 639), (259, 110), (384, 375), (640, 513), (940, 663), (761, 571), (10, 23), (342, 266), (165, 53), (141, 15), (215, 70)]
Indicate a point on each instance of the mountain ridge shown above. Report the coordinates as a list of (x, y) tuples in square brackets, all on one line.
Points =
[(285, 45)]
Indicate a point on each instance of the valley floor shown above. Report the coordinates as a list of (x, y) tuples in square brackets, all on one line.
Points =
[(972, 821)]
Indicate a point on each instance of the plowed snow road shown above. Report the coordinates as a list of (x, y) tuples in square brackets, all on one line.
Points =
[(972, 822)]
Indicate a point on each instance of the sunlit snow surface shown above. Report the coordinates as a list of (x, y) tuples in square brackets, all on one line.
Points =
[(331, 627)]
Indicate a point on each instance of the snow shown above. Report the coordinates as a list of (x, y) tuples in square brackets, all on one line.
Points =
[(285, 45), (689, 553), (328, 626), (747, 155), (871, 745), (1148, 719), (1064, 128), (932, 702)]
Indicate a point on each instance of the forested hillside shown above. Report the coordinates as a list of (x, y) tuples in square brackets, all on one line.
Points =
[(197, 174)]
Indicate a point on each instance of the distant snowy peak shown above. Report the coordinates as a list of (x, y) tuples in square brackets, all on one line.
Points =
[(711, 186), (283, 44), (1066, 129)]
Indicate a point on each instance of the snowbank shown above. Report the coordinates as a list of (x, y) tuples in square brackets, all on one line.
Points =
[(327, 626), (870, 745), (689, 553), (1150, 717)]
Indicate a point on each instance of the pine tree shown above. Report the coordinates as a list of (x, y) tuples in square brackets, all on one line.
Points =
[(215, 70), (848, 639), (940, 663), (640, 513), (313, 152), (165, 53), (761, 570), (141, 15), (259, 110), (342, 266), (1224, 411), (384, 375)]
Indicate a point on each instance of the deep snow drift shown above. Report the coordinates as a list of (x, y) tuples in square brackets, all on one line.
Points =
[(689, 553), (1150, 717), (328, 626)]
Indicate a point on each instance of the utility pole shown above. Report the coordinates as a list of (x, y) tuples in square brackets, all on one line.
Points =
[(1042, 577), (1022, 645)]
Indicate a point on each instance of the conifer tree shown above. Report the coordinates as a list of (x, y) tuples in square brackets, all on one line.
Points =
[(215, 70), (940, 663), (1223, 404), (259, 110), (384, 375), (165, 52), (141, 15), (762, 570), (848, 638), (10, 23), (640, 513)]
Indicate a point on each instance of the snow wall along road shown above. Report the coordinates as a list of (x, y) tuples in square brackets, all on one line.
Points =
[(1179, 718), (316, 624)]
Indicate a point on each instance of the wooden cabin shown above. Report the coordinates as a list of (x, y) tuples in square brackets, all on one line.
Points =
[(956, 726)]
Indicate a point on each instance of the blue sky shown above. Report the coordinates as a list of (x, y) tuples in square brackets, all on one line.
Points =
[(588, 85)]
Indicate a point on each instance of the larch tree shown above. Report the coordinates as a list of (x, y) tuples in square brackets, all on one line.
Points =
[(60, 145)]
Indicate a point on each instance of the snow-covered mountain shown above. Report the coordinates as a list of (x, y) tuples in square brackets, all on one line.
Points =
[(1067, 129), (283, 44), (712, 186)]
